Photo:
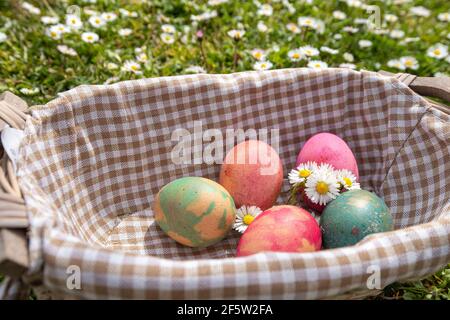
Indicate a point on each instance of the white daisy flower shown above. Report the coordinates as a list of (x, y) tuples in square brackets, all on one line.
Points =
[(142, 57), (195, 69), (97, 21), (444, 16), (90, 12), (302, 172), (397, 34), (216, 2), (329, 50), (262, 27), (109, 16), (28, 91), (354, 3), (292, 27), (390, 17), (339, 15), (396, 63), (309, 51), (125, 32), (3, 37), (74, 22), (322, 186), (262, 65), (49, 20), (31, 9), (258, 54), (89, 37), (236, 34), (295, 55), (419, 11), (53, 32), (348, 57), (112, 66), (265, 10), (347, 180), (410, 63), (244, 216), (361, 21), (61, 28), (438, 51), (66, 50), (337, 36), (317, 64), (347, 66), (308, 22), (132, 66), (207, 15), (350, 29), (364, 43), (168, 28), (167, 38)]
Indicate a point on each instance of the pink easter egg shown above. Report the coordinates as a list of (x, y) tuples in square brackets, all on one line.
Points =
[(328, 148), (281, 229)]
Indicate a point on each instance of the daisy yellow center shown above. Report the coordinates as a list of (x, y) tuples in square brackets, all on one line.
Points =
[(304, 173), (322, 187), (90, 37), (168, 38), (317, 65), (53, 34), (308, 22), (134, 68), (348, 181), (437, 52), (258, 55), (263, 65), (408, 63), (296, 55), (248, 218), (97, 21)]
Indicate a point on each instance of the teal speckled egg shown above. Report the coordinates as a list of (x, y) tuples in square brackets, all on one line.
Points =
[(352, 216)]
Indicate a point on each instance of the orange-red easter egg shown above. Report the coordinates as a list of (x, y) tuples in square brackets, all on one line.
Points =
[(253, 174), (281, 229)]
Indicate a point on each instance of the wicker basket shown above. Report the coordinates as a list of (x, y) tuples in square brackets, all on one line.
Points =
[(76, 201)]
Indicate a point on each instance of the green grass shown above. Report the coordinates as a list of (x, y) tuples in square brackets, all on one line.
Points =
[(32, 67)]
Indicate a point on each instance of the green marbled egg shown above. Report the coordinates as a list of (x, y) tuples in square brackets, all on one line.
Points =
[(194, 211), (352, 216)]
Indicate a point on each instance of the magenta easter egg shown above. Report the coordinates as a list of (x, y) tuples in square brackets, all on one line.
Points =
[(253, 174), (328, 148), (281, 229)]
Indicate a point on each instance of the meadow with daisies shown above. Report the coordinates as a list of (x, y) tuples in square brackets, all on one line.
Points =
[(50, 46)]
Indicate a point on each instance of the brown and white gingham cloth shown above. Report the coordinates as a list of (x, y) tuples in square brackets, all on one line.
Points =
[(93, 159)]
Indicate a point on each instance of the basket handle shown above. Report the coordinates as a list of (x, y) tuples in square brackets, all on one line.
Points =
[(437, 87), (13, 219)]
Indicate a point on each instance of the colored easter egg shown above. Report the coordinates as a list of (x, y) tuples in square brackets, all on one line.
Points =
[(194, 211), (281, 229), (352, 216), (328, 148), (253, 174)]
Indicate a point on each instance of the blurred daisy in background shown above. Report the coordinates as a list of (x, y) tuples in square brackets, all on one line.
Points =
[(410, 63), (109, 16), (29, 92), (397, 34), (317, 64), (244, 217), (49, 20), (329, 50), (74, 22), (66, 50), (96, 21), (3, 37), (309, 51), (258, 54), (396, 64), (347, 66), (132, 66), (262, 65), (142, 57), (89, 37), (125, 32), (195, 69), (167, 38), (339, 15), (265, 10), (30, 8), (295, 55), (168, 28), (292, 27), (262, 27), (419, 11), (438, 51), (365, 43), (236, 34), (444, 16)]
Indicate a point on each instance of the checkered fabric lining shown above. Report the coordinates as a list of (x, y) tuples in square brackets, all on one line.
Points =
[(94, 158)]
